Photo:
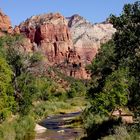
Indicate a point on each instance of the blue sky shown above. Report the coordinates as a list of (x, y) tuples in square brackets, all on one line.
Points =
[(93, 10)]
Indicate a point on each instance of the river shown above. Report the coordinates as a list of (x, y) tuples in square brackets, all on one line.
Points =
[(58, 128)]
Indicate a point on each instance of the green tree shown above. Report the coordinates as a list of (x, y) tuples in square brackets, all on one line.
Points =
[(77, 88), (7, 102), (22, 65), (26, 88), (114, 93), (102, 66), (127, 48), (122, 52)]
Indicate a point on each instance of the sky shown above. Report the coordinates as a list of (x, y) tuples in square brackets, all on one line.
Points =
[(94, 11)]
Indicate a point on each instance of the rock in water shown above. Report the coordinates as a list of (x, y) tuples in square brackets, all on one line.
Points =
[(40, 129), (61, 131)]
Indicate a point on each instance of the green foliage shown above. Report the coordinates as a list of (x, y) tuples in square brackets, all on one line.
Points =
[(15, 59), (11, 40), (127, 42), (43, 109), (108, 88), (23, 86), (115, 70), (47, 88), (27, 88), (114, 93), (20, 129), (12, 51), (111, 83), (7, 131), (127, 25), (24, 128), (91, 119), (101, 67), (121, 132), (36, 57), (23, 81), (77, 88), (7, 102), (17, 81)]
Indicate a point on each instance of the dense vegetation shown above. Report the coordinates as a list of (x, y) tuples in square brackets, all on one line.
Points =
[(27, 92), (115, 80)]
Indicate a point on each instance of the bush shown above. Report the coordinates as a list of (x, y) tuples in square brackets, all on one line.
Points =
[(43, 109), (7, 102), (99, 126), (77, 88), (24, 128), (36, 57), (121, 133), (21, 129), (7, 131)]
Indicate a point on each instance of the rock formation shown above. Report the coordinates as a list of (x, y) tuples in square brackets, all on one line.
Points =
[(67, 43), (5, 24), (50, 34), (87, 37)]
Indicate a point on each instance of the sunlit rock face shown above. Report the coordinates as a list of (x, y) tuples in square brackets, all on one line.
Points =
[(51, 35), (88, 37), (69, 44), (5, 24), (6, 28)]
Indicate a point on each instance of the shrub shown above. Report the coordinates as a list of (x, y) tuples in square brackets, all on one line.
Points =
[(24, 127), (7, 131), (36, 57), (43, 109), (20, 129)]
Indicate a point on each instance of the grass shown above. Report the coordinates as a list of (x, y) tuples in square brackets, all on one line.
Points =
[(44, 108), (21, 128)]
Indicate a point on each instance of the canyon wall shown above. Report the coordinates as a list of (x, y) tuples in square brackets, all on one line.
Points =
[(68, 44)]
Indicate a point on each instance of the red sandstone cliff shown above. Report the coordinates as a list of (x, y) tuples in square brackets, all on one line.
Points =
[(68, 44), (50, 34), (5, 24)]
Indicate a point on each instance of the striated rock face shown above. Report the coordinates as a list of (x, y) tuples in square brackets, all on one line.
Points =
[(67, 43), (88, 37), (50, 34), (5, 24)]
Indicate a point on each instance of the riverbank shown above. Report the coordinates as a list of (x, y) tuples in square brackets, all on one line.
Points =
[(43, 109), (61, 118)]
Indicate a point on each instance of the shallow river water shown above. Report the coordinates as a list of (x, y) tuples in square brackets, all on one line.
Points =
[(57, 128)]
